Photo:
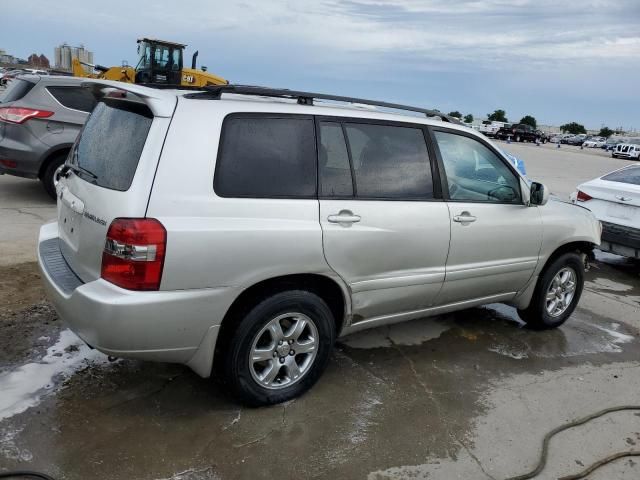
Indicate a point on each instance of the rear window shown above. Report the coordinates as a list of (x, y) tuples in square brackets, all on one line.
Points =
[(628, 175), (266, 157), (77, 98), (111, 142), (16, 89)]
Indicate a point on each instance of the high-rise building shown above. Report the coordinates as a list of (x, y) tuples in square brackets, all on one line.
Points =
[(64, 55)]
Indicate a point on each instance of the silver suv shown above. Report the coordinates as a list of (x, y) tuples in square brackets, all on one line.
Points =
[(245, 229), (40, 117)]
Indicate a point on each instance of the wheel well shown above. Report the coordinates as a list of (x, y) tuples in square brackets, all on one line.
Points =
[(50, 158), (579, 247), (324, 287)]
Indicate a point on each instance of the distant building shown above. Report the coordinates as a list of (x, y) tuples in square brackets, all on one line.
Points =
[(64, 55), (6, 58)]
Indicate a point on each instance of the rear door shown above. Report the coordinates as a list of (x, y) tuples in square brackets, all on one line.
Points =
[(385, 231), (495, 238), (112, 167)]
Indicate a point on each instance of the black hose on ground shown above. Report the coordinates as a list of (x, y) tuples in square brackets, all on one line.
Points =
[(25, 473), (581, 421)]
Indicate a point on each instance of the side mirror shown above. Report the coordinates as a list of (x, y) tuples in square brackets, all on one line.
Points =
[(539, 194)]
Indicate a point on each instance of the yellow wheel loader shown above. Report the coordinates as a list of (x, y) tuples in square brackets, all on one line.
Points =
[(159, 63)]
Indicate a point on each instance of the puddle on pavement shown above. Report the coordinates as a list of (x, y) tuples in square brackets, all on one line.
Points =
[(397, 395)]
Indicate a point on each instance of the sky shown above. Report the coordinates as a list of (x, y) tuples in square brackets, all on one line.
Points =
[(559, 61)]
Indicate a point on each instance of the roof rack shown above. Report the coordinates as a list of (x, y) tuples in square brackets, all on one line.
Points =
[(306, 98)]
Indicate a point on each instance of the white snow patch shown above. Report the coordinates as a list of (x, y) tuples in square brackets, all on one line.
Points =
[(44, 339), (613, 332), (8, 447), (25, 386)]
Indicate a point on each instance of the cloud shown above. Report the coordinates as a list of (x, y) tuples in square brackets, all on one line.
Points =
[(360, 46)]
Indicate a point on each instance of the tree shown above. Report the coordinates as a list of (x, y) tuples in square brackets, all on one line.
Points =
[(573, 127), (456, 114), (529, 120), (468, 118), (498, 116), (605, 132)]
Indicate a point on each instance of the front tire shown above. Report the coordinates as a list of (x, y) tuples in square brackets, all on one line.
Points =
[(280, 348), (557, 293)]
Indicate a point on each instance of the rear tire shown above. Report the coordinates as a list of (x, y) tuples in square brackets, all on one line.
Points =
[(542, 313), (49, 172), (250, 379)]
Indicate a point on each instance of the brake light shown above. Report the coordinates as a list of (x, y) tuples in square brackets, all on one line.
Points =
[(583, 197), (21, 115), (9, 163), (133, 255)]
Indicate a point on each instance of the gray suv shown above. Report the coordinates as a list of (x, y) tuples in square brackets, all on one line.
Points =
[(40, 117), (245, 229)]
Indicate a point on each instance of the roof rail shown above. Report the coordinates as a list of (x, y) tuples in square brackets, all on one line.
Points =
[(307, 98)]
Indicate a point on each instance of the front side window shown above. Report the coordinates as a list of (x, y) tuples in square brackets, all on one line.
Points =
[(389, 161), (475, 173), (266, 157)]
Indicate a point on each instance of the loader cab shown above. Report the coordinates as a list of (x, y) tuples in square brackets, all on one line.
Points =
[(159, 62)]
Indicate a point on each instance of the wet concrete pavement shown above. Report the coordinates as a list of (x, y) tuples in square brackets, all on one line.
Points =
[(467, 395)]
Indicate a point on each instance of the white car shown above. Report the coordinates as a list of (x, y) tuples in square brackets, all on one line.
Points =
[(615, 200), (596, 142), (626, 150)]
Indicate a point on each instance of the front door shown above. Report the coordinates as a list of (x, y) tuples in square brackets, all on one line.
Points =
[(495, 237), (384, 232)]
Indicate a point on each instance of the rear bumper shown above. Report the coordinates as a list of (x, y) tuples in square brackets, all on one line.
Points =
[(168, 326), (620, 239)]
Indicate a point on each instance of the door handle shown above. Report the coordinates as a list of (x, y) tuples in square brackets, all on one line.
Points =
[(464, 217), (344, 217)]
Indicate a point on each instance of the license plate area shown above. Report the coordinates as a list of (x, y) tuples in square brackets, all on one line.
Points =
[(70, 216), (623, 212)]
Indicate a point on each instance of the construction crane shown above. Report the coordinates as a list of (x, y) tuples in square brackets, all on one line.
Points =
[(159, 63)]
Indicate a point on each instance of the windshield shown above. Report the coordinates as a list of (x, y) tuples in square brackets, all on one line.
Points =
[(144, 56)]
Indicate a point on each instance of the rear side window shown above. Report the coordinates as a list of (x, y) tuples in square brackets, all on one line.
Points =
[(16, 89), (389, 161), (77, 98), (628, 175), (266, 157), (111, 142)]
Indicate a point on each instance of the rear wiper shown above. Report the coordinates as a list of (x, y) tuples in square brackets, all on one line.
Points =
[(78, 169)]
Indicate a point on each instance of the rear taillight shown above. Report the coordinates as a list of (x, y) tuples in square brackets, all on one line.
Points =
[(583, 197), (133, 254), (21, 115), (9, 163)]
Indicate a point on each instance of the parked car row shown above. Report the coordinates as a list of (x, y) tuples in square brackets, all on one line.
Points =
[(521, 133)]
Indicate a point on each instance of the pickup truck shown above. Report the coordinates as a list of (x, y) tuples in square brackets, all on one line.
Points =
[(521, 133)]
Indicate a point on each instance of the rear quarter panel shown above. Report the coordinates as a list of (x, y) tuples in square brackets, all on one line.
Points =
[(214, 241)]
